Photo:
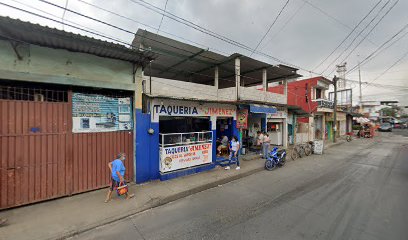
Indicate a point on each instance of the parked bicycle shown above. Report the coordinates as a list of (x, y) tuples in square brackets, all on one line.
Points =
[(301, 150)]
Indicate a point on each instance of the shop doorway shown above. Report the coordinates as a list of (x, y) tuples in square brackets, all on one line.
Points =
[(224, 128), (275, 131)]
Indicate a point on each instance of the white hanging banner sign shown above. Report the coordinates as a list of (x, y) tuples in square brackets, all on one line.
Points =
[(179, 157)]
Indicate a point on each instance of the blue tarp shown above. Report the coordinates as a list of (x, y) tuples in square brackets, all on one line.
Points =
[(262, 109)]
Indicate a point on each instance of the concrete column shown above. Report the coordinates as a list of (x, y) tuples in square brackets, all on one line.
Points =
[(311, 128), (237, 77), (285, 130), (216, 77), (137, 103), (285, 92), (324, 126), (264, 80)]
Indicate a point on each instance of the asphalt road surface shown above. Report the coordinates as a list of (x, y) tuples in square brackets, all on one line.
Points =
[(356, 190)]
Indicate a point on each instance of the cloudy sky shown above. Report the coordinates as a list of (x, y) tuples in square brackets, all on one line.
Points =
[(304, 35)]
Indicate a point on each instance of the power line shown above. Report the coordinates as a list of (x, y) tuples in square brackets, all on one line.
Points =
[(77, 24), (284, 25), (355, 38), (148, 26), (270, 27), (63, 14), (223, 38), (380, 48), (121, 41), (362, 40), (341, 43), (161, 21), (188, 23), (393, 65)]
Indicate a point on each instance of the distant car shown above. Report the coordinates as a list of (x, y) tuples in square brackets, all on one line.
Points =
[(385, 127), (397, 125)]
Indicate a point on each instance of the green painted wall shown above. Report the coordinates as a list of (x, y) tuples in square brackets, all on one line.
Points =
[(40, 64)]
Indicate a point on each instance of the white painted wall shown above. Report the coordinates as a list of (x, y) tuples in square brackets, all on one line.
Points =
[(41, 64), (261, 96), (187, 90)]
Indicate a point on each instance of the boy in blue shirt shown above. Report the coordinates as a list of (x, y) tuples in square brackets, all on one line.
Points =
[(117, 169)]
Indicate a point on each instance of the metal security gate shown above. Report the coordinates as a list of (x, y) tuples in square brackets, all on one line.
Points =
[(34, 151), (40, 157)]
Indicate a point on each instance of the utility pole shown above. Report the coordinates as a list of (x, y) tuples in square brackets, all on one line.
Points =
[(335, 109), (361, 93)]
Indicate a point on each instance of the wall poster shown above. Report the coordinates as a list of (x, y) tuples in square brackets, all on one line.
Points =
[(99, 113)]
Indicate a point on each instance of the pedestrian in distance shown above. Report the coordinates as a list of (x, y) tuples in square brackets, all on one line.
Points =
[(265, 145), (117, 169), (234, 153)]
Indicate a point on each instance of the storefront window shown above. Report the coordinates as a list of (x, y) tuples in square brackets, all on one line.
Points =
[(173, 139)]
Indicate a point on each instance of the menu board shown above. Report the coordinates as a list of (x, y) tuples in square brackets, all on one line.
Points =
[(318, 147)]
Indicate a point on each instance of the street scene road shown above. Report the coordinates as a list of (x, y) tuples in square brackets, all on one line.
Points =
[(356, 190)]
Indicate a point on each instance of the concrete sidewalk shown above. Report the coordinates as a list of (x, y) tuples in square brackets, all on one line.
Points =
[(65, 217)]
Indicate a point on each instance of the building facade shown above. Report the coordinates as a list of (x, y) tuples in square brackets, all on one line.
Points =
[(66, 104)]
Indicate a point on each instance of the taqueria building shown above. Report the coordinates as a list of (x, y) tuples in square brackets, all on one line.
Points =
[(178, 137)]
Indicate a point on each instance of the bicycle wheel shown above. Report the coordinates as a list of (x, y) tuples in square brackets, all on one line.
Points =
[(307, 150), (301, 151), (294, 154)]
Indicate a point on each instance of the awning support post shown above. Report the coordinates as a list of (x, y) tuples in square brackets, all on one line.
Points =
[(237, 77), (216, 77), (264, 80)]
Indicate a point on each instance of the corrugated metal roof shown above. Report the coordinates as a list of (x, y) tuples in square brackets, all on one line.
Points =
[(186, 62), (17, 30)]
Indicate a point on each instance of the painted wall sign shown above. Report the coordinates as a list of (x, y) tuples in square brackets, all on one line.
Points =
[(98, 113), (278, 114), (166, 107), (242, 118), (179, 157)]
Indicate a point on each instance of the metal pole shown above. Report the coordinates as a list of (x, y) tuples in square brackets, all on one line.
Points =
[(335, 109), (361, 94)]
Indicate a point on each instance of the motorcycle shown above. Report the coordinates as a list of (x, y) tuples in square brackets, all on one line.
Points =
[(275, 159)]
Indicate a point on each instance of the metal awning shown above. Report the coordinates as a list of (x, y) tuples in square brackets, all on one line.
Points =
[(24, 32), (185, 62), (253, 108), (298, 111)]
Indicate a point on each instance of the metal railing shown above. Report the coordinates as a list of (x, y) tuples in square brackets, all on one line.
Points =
[(176, 139), (324, 103)]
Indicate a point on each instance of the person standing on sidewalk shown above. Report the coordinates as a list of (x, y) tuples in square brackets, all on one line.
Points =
[(265, 145), (234, 149), (117, 169), (260, 141)]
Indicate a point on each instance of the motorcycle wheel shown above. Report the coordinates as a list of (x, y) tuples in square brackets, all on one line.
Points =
[(269, 165), (283, 161), (308, 151)]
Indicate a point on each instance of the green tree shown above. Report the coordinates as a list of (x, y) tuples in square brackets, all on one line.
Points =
[(390, 112)]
